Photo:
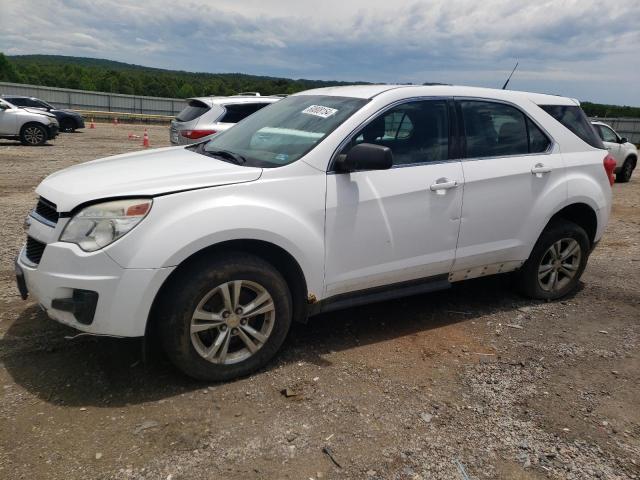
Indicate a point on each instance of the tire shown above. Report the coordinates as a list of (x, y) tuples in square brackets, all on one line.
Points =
[(624, 175), (195, 300), (68, 125), (33, 134), (564, 236)]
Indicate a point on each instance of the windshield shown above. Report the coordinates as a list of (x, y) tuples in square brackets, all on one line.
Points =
[(284, 131)]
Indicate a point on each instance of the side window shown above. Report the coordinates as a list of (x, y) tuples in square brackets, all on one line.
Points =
[(19, 102), (416, 132), (606, 134), (573, 118), (497, 130), (238, 112), (28, 102), (538, 141)]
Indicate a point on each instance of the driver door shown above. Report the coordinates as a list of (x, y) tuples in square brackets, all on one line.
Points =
[(611, 142), (389, 226)]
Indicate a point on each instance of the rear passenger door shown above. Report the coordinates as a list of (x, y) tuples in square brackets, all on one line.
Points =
[(512, 171), (611, 142)]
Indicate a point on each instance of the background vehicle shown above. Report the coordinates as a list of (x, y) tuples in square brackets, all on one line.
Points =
[(30, 126), (625, 152), (69, 120), (328, 199), (205, 117)]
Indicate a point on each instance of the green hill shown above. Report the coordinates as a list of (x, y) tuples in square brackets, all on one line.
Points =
[(109, 76), (102, 75)]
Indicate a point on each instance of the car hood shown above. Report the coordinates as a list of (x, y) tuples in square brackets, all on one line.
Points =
[(66, 112), (39, 112), (147, 173)]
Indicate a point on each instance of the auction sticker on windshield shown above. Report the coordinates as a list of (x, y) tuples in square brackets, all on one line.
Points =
[(319, 111)]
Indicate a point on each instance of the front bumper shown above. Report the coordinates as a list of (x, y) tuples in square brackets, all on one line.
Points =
[(52, 131), (65, 273)]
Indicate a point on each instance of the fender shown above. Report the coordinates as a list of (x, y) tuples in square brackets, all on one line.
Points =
[(186, 223), (585, 185)]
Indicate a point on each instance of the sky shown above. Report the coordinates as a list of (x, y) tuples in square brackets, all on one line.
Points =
[(586, 49)]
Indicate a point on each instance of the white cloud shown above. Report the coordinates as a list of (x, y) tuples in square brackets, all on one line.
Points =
[(566, 45)]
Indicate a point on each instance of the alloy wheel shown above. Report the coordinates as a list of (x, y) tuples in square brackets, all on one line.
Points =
[(232, 322), (33, 135), (559, 265)]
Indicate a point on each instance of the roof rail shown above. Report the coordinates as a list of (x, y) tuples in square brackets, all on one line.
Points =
[(247, 94)]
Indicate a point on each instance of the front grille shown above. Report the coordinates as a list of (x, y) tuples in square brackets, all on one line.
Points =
[(47, 210), (34, 250)]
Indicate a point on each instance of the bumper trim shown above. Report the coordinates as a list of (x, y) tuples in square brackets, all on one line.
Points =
[(20, 281), (82, 305)]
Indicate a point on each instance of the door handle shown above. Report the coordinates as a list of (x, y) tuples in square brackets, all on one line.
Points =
[(539, 169), (443, 184)]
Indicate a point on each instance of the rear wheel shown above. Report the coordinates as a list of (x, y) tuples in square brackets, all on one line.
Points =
[(225, 318), (556, 263), (33, 134), (624, 175)]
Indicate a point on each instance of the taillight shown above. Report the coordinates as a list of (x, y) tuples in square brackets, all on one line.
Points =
[(609, 167), (195, 134)]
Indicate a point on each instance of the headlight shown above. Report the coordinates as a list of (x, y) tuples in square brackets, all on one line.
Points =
[(96, 226)]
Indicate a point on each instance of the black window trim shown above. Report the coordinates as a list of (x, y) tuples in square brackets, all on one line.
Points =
[(457, 99), (453, 132)]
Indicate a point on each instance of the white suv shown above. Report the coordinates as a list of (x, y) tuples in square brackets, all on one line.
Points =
[(624, 152), (327, 199), (30, 126)]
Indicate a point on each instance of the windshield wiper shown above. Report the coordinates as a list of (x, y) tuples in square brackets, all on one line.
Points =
[(226, 154)]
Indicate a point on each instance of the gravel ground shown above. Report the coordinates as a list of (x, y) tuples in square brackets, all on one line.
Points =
[(474, 382)]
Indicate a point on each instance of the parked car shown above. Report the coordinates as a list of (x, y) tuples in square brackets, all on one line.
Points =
[(205, 117), (624, 152), (330, 198), (69, 120), (30, 126)]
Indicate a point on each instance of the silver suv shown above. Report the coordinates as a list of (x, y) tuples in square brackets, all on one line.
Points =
[(205, 117), (30, 126)]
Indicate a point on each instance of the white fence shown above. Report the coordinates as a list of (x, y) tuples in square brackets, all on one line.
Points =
[(99, 101), (116, 102)]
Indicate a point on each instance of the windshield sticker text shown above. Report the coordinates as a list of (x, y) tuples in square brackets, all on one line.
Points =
[(320, 111)]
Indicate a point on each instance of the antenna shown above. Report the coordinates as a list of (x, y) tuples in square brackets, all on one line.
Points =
[(504, 87)]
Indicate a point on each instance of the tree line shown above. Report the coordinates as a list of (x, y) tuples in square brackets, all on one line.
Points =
[(116, 77)]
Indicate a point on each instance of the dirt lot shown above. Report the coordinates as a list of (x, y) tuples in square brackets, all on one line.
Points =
[(475, 379)]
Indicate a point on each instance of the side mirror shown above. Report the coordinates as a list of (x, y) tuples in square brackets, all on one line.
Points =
[(624, 140), (366, 156)]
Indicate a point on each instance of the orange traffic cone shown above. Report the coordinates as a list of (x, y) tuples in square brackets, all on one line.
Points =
[(145, 139), (115, 121), (92, 125)]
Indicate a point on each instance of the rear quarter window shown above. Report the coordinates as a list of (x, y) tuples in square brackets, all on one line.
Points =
[(572, 117), (193, 110)]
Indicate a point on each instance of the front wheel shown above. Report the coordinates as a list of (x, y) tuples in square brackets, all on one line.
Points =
[(556, 263), (33, 134), (226, 317)]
